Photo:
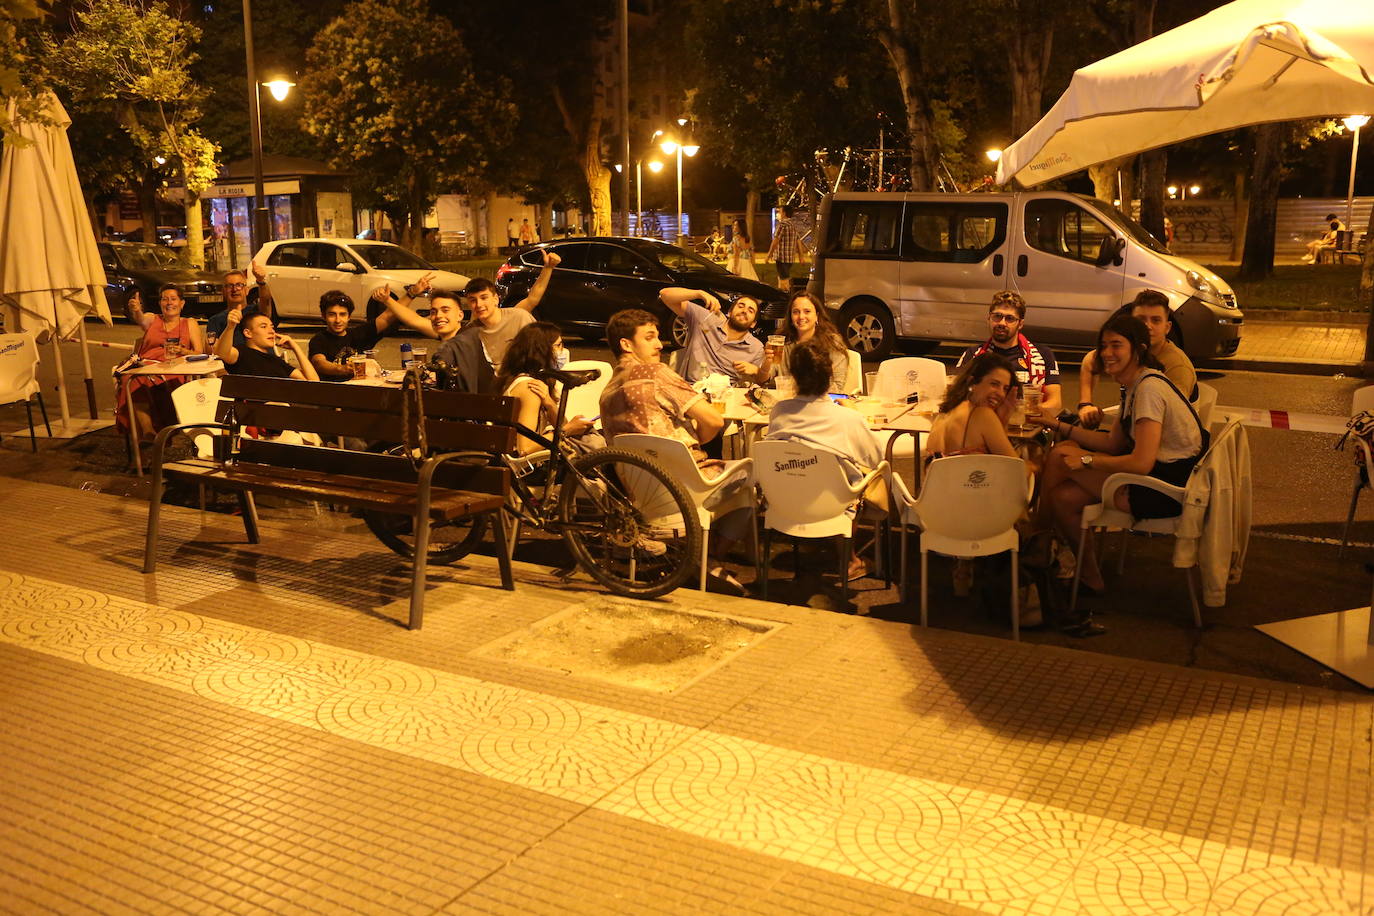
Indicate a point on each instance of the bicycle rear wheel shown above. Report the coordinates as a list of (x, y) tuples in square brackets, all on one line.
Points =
[(629, 524), (448, 542)]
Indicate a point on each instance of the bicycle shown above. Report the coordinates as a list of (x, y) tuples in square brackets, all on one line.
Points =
[(628, 523)]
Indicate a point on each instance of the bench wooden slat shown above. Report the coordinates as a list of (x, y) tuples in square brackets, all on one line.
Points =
[(361, 492), (451, 474), (447, 435), (448, 405)]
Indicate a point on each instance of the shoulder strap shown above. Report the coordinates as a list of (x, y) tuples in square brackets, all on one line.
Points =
[(1206, 436)]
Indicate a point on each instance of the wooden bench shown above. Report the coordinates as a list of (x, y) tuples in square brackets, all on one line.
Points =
[(1345, 245), (457, 426)]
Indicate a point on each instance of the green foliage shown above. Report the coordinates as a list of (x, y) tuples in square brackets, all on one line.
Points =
[(391, 94), (16, 71), (131, 62)]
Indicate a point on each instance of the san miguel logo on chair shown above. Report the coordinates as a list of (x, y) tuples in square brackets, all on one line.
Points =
[(977, 479)]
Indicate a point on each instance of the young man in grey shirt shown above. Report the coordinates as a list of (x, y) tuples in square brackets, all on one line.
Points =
[(717, 341)]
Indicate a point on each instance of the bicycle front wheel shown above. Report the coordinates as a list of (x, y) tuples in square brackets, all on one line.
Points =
[(629, 524)]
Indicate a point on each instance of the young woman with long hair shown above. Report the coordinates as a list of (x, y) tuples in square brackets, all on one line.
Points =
[(536, 349)]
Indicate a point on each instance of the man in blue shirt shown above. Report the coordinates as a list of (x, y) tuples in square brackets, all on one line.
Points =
[(717, 342), (237, 296)]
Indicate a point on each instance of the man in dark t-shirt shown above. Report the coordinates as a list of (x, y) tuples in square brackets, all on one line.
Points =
[(331, 348), (1035, 365), (256, 356)]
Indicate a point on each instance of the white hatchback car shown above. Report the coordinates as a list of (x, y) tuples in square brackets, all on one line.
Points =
[(302, 270)]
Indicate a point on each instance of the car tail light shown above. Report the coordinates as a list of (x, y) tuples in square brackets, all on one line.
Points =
[(504, 271)]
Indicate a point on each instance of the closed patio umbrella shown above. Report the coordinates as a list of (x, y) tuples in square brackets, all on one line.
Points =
[(1248, 62), (50, 271)]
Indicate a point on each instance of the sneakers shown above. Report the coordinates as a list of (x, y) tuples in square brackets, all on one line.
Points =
[(725, 580)]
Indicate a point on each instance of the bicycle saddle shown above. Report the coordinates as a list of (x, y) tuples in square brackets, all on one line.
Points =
[(573, 378)]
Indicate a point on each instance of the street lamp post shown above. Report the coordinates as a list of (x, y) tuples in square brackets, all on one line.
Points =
[(1353, 124), (671, 146)]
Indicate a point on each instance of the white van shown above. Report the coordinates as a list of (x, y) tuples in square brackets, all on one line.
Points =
[(923, 267)]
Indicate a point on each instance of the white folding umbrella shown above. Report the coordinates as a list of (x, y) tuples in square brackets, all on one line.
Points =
[(1249, 62), (50, 272)]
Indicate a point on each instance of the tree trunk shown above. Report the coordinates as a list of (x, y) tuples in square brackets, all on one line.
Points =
[(1112, 180), (543, 220), (907, 64), (1240, 216), (1151, 190), (751, 209), (147, 205), (495, 234), (195, 237), (598, 181), (1028, 57), (1257, 262)]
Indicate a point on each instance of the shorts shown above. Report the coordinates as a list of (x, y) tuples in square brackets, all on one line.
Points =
[(784, 270), (1147, 503)]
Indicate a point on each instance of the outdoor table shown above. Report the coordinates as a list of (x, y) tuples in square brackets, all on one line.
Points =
[(176, 368)]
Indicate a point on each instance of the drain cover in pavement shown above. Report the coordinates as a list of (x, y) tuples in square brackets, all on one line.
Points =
[(633, 644)]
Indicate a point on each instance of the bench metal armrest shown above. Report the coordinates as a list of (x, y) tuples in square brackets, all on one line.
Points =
[(167, 432)]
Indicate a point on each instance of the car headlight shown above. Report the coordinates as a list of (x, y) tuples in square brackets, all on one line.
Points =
[(1198, 282)]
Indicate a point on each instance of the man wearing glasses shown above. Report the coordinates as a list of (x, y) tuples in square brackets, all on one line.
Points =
[(1035, 366), (236, 290)]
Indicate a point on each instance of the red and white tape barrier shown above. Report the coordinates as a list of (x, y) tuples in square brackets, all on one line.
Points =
[(1284, 419)]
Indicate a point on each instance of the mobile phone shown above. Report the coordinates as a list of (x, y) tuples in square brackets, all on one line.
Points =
[(197, 357), (839, 397), (392, 293)]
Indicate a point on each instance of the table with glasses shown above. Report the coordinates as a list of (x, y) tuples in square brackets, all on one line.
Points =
[(179, 367)]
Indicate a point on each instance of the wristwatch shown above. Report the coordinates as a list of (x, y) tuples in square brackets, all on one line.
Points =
[(1087, 460)]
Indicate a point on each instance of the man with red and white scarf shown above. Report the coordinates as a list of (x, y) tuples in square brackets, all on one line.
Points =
[(1035, 366)]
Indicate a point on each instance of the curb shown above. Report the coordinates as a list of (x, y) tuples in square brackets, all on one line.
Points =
[(1328, 368), (1307, 316)]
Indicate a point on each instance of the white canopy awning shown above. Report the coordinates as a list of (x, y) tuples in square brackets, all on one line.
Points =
[(1249, 62)]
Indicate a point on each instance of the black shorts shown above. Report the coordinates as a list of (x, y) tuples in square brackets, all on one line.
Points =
[(784, 269), (1147, 503)]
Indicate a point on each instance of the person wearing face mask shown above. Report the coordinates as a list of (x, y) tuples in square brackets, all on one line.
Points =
[(166, 335), (536, 349)]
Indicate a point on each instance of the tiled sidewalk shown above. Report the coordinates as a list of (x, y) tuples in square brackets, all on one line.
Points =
[(1282, 341), (247, 733)]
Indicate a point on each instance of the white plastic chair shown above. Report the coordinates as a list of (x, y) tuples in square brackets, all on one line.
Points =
[(195, 402), (968, 507), (1364, 466), (19, 378), (713, 496), (1206, 401), (1106, 515), (585, 400), (807, 495), (902, 376)]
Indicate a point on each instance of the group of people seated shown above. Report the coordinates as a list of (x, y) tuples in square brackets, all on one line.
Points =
[(506, 351)]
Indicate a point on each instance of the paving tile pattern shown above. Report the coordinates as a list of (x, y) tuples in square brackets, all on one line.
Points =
[(1340, 344), (247, 733)]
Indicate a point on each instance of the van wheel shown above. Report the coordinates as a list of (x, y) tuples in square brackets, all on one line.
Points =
[(867, 327)]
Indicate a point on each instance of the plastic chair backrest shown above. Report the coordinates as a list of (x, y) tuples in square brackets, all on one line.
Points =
[(854, 373), (1363, 399), (195, 402), (1206, 401), (672, 455), (972, 497), (807, 490), (899, 377), (18, 367), (585, 400)]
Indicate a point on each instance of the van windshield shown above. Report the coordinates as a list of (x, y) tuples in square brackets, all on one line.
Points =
[(1136, 231)]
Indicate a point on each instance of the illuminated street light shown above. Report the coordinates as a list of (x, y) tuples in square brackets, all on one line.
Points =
[(1195, 190), (994, 155), (1173, 190), (655, 166), (671, 146), (279, 88), (1353, 124)]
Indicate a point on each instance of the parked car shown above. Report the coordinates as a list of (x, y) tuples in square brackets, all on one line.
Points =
[(146, 266), (923, 267), (600, 276), (302, 270)]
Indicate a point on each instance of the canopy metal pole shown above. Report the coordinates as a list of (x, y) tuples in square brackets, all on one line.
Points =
[(61, 377), (86, 367)]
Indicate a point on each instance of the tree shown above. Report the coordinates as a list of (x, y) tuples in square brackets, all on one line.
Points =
[(15, 62), (132, 61), (390, 92)]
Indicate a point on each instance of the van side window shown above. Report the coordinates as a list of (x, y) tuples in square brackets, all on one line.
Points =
[(1061, 227), (865, 228), (957, 233)]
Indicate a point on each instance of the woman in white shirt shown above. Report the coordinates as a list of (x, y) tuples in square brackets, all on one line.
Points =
[(813, 418)]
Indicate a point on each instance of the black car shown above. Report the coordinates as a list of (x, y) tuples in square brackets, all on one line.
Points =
[(600, 276), (145, 267)]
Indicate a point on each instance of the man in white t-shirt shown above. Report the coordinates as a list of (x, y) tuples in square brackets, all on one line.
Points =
[(496, 327)]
